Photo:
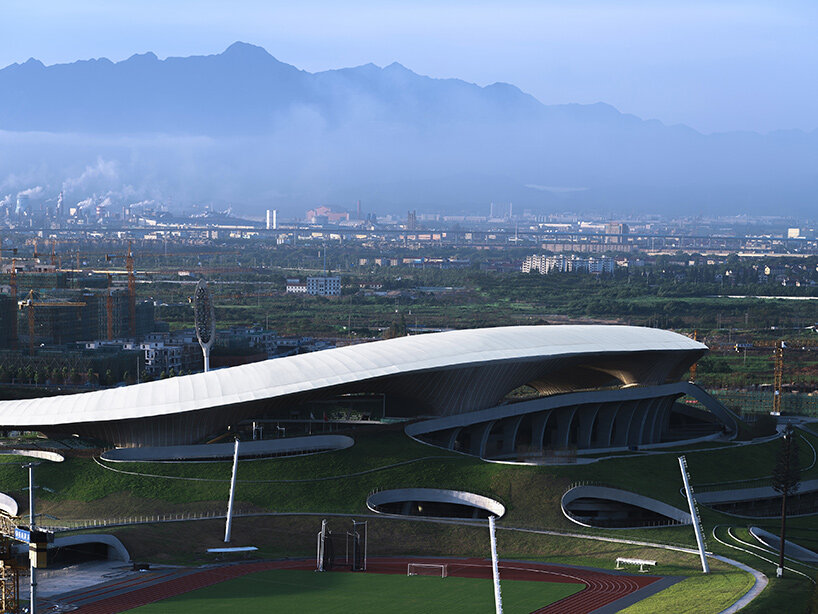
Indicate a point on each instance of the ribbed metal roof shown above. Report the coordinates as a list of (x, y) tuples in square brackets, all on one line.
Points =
[(293, 374)]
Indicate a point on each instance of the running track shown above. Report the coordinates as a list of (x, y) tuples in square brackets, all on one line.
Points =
[(602, 588)]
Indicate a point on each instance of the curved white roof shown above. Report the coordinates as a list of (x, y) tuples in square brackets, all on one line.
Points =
[(305, 372)]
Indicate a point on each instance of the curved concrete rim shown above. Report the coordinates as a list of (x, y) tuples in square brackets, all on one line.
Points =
[(621, 496), (54, 457), (435, 495), (8, 504), (791, 549), (292, 446)]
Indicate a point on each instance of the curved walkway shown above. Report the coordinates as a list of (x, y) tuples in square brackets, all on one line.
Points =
[(303, 480), (210, 452), (771, 562), (54, 457)]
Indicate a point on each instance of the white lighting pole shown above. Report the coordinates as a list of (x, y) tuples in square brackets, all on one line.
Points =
[(31, 524), (495, 570), (694, 515), (228, 526)]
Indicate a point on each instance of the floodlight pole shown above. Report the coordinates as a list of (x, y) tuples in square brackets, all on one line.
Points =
[(694, 515), (31, 524), (206, 354), (228, 525), (495, 571), (204, 319)]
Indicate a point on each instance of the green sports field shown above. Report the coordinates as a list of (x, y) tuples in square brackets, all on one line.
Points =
[(307, 591)]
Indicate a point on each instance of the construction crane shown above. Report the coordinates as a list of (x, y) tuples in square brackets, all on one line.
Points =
[(109, 310), (31, 322), (778, 370), (31, 304), (13, 286), (131, 291)]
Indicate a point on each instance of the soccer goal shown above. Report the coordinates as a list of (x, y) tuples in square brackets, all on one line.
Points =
[(427, 569)]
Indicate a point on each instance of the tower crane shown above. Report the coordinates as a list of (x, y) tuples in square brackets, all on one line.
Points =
[(31, 304)]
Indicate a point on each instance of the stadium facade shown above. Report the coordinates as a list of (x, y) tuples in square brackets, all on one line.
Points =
[(596, 387)]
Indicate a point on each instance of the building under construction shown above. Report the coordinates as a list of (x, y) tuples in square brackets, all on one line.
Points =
[(75, 316)]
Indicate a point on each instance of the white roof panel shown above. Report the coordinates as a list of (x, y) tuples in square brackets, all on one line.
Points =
[(304, 372)]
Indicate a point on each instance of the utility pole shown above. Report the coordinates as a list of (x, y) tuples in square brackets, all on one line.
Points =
[(786, 479), (778, 378)]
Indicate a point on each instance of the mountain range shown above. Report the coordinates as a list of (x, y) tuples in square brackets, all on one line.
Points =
[(245, 128)]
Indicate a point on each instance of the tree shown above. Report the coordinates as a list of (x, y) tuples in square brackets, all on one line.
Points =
[(786, 478)]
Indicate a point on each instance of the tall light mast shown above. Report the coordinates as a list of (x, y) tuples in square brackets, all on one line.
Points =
[(205, 320)]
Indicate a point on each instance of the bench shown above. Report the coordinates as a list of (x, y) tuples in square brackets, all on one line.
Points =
[(620, 561)]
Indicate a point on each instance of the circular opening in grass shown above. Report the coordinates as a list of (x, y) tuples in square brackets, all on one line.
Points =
[(612, 508), (435, 503)]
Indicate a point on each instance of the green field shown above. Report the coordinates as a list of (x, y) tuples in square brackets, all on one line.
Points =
[(307, 591)]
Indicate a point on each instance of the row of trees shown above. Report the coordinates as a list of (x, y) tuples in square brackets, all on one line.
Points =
[(58, 376)]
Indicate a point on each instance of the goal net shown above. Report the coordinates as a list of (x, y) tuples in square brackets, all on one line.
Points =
[(427, 569)]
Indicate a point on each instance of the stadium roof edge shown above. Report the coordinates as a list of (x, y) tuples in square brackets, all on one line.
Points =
[(302, 373)]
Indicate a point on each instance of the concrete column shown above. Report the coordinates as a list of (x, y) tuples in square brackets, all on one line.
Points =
[(623, 423), (538, 424), (606, 416), (510, 428), (566, 418), (638, 422), (586, 414), (657, 415), (453, 437), (479, 437)]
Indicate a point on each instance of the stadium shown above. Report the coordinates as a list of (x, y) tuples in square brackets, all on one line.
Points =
[(568, 436), (588, 387)]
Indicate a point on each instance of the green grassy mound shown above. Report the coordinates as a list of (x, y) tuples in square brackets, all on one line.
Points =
[(307, 591)]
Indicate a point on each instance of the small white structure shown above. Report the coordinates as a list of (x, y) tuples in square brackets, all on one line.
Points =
[(296, 286), (160, 357)]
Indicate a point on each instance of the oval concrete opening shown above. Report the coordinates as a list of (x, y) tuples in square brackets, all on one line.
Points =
[(613, 508), (434, 502)]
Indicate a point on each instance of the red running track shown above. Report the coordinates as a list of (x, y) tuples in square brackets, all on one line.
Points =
[(601, 588)]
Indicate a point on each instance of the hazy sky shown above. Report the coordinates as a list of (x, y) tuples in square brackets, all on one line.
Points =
[(714, 65)]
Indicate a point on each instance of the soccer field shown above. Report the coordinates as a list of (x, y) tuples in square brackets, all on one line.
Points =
[(308, 591)]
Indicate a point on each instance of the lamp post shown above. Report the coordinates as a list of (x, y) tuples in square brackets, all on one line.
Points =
[(31, 524)]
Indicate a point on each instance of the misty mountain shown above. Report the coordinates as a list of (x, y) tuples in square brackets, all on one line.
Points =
[(245, 128), (243, 91)]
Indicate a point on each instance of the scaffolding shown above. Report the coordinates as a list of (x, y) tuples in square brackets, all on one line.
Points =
[(10, 568)]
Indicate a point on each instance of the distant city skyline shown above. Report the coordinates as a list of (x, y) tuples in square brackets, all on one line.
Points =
[(714, 66)]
